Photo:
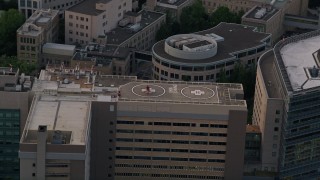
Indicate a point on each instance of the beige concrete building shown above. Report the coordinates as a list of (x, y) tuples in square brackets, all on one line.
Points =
[(132, 129), (55, 142), (268, 104), (90, 20), (174, 7), (202, 55), (41, 27), (179, 141), (270, 17), (266, 19)]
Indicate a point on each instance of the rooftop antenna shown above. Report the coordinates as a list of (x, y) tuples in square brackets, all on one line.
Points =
[(10, 67), (62, 66), (91, 71)]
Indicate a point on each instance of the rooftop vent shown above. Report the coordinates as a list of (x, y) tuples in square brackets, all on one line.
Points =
[(42, 128), (261, 12), (58, 138), (314, 72)]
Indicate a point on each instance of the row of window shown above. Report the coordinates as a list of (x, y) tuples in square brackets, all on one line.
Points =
[(77, 25), (9, 141), (171, 159), (28, 40), (77, 40), (77, 33), (77, 18), (194, 68), (170, 141), (172, 132), (159, 123), (170, 176), (189, 168), (10, 133), (209, 77), (27, 48), (171, 150)]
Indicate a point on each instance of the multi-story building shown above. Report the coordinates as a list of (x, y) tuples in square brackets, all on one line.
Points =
[(90, 20), (270, 17), (104, 26), (28, 7), (132, 129), (173, 7), (286, 107), (266, 19), (140, 33), (202, 55), (267, 15), (55, 141), (41, 27), (14, 105)]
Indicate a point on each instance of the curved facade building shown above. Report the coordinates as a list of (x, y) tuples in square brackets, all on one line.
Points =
[(202, 55), (286, 107)]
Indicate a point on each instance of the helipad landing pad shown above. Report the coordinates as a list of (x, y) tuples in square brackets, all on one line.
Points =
[(163, 91)]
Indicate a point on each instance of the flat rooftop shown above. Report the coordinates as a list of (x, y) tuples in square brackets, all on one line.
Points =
[(236, 38), (66, 114), (266, 17), (129, 88), (179, 92), (266, 63), (87, 7), (41, 16), (297, 56), (120, 34)]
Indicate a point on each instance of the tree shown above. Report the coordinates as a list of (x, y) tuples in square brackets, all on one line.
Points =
[(223, 14), (8, 4), (10, 21), (163, 32), (222, 76), (245, 75), (194, 18), (27, 68)]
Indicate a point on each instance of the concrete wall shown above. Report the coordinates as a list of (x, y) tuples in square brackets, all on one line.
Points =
[(103, 133), (235, 145), (95, 25)]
